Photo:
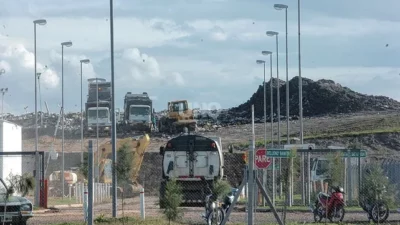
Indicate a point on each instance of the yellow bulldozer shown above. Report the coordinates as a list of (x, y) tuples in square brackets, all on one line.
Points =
[(178, 117), (138, 146)]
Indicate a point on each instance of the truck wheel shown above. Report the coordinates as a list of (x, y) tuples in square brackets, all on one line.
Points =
[(162, 193)]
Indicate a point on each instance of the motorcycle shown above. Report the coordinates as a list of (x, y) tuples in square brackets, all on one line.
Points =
[(330, 206), (214, 213), (377, 209)]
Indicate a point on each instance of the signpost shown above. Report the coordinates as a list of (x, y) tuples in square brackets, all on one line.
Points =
[(261, 160)]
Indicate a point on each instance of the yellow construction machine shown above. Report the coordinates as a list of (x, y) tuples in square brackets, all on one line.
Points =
[(138, 146), (179, 116)]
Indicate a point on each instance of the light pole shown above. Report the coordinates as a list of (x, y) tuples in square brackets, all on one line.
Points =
[(85, 61), (63, 44), (113, 125), (3, 92), (285, 7), (271, 95), (40, 22), (40, 99), (278, 104), (278, 100), (265, 105)]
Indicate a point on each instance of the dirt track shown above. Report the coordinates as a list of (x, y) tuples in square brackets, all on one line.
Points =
[(191, 215)]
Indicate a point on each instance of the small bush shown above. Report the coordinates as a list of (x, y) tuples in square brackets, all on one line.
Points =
[(221, 188), (171, 200)]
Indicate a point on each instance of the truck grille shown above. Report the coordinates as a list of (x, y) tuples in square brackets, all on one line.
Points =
[(10, 208)]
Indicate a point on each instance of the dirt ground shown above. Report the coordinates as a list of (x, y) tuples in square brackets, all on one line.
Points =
[(191, 215), (333, 130)]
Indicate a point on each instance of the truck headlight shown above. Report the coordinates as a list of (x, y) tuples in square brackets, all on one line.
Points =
[(27, 208), (90, 128), (107, 128)]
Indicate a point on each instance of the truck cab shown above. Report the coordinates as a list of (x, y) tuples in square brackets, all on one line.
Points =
[(140, 114), (104, 119)]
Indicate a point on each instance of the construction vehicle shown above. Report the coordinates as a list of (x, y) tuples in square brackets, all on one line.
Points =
[(138, 113), (188, 159), (178, 117), (138, 146), (98, 107)]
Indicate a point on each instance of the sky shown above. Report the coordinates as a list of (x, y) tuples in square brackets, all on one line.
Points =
[(204, 51)]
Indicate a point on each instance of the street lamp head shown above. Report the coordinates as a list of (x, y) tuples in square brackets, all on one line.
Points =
[(272, 33), (260, 61), (280, 6), (40, 22), (66, 44), (38, 75), (86, 61), (266, 52)]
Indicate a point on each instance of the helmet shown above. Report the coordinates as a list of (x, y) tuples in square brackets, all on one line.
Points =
[(340, 189)]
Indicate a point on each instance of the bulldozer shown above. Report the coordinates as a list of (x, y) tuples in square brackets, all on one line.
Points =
[(179, 116), (138, 146)]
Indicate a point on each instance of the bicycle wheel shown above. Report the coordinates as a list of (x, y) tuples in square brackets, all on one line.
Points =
[(380, 212), (215, 217)]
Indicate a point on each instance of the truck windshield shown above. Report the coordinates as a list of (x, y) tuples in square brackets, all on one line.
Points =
[(103, 113), (139, 111)]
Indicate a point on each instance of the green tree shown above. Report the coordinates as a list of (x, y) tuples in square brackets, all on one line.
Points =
[(124, 164), (21, 183), (171, 200), (83, 169), (336, 169), (372, 183)]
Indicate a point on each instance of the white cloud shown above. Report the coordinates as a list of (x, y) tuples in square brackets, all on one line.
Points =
[(17, 61), (73, 62), (93, 33)]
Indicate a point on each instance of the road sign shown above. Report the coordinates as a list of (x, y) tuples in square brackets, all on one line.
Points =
[(361, 154), (261, 160), (278, 153)]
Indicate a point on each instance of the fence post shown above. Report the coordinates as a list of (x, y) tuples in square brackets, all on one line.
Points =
[(142, 210), (90, 185)]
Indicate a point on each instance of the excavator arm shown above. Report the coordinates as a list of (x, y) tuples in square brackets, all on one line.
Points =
[(138, 147)]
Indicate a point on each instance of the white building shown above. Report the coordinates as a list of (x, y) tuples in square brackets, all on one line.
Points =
[(10, 141)]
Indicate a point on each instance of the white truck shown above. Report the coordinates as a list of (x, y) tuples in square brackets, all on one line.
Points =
[(187, 158)]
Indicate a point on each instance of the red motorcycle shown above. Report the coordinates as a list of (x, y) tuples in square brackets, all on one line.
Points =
[(330, 206)]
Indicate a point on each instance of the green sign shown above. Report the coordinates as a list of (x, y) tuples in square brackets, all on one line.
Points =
[(278, 153), (361, 154)]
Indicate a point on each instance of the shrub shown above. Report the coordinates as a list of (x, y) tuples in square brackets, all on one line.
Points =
[(171, 200)]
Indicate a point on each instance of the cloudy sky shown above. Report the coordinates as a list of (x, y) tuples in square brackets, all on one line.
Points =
[(200, 50)]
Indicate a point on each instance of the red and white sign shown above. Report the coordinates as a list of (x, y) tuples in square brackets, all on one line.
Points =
[(261, 160)]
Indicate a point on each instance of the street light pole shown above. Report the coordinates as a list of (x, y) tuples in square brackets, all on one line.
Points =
[(278, 100), (285, 7), (86, 61), (41, 22), (113, 125), (300, 78), (265, 106), (3, 92), (66, 44), (278, 104), (40, 99)]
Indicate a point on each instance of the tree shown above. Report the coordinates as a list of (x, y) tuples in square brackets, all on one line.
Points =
[(171, 200), (221, 188), (372, 183), (336, 169), (21, 183), (124, 163)]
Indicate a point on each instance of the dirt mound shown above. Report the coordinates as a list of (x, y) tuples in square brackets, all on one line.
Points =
[(322, 97)]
